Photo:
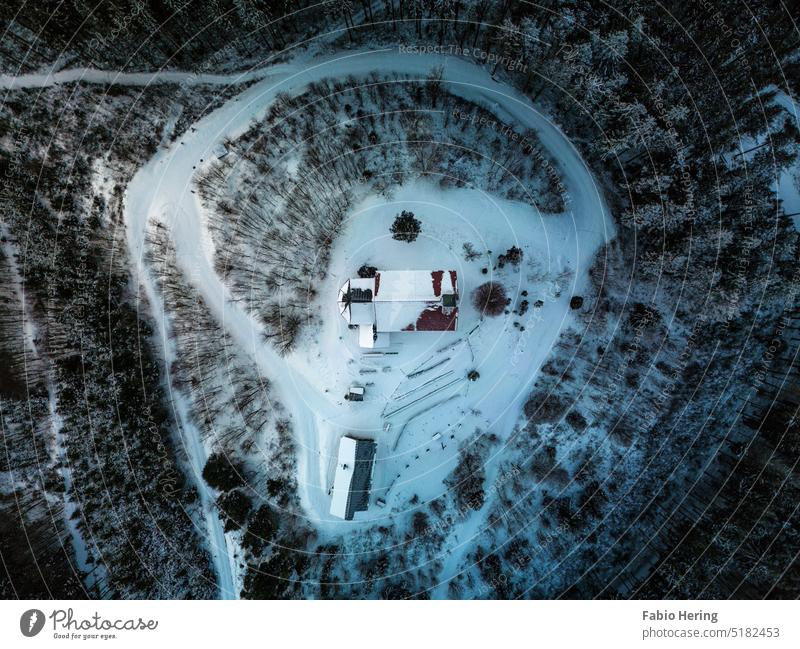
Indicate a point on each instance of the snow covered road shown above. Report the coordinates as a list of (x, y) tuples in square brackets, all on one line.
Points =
[(92, 75)]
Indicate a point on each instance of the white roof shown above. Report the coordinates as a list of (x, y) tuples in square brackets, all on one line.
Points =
[(400, 285), (362, 313), (344, 475), (397, 316), (365, 283), (366, 337)]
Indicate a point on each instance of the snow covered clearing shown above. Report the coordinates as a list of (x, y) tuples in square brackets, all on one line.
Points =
[(420, 387), (609, 417), (554, 246)]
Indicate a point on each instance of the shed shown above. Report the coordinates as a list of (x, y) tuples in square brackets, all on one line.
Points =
[(353, 480)]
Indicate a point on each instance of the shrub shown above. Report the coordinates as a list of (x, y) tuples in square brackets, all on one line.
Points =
[(544, 408), (406, 227), (470, 254), (271, 579), (576, 420), (576, 302), (473, 375), (366, 271), (276, 487), (490, 298), (221, 474), (642, 316), (513, 256), (466, 481), (419, 523)]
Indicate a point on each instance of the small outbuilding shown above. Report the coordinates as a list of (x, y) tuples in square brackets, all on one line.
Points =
[(355, 393), (353, 479)]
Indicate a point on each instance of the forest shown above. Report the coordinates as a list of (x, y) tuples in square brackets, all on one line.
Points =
[(657, 454)]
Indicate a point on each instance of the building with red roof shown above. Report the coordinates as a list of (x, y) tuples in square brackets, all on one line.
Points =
[(400, 301)]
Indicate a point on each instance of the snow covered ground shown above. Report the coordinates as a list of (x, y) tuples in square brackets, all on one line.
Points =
[(420, 388), (505, 356)]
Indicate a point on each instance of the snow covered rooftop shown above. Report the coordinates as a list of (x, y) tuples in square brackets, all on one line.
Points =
[(362, 313), (400, 300), (353, 478), (413, 316), (413, 285)]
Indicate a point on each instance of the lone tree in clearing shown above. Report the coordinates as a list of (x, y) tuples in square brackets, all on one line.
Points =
[(406, 227), (490, 298)]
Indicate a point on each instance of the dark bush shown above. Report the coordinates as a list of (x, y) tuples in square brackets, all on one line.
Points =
[(466, 481), (367, 271), (542, 462), (542, 408), (221, 474), (419, 523), (641, 315), (576, 420), (490, 298), (512, 256), (576, 302), (271, 580), (276, 487), (470, 254)]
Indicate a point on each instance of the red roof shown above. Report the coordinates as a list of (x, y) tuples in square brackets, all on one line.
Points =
[(435, 319), (411, 300), (437, 282)]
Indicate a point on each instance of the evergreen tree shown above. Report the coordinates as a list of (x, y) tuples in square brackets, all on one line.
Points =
[(406, 227)]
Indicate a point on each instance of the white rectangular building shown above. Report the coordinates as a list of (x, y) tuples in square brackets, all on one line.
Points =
[(353, 479)]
